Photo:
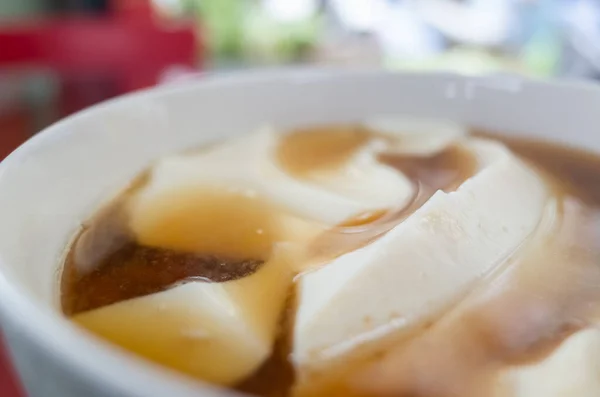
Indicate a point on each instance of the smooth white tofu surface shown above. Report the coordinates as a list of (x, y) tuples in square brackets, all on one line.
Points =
[(421, 266)]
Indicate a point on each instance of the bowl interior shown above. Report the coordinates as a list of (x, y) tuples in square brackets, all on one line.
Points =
[(57, 180)]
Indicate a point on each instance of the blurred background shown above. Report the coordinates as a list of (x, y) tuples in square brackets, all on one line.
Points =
[(59, 56)]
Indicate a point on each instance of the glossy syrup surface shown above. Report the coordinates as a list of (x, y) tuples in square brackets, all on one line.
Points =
[(217, 235)]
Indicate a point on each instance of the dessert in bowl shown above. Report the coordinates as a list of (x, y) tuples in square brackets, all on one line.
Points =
[(309, 234)]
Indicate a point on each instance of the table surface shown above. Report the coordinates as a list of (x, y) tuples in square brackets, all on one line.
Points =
[(8, 383)]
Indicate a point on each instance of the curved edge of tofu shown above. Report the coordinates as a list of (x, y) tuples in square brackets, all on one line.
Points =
[(409, 133), (369, 183), (331, 199), (217, 332), (571, 371), (423, 265)]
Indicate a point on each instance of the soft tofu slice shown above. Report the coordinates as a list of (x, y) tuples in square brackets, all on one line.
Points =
[(217, 332), (571, 371), (413, 135), (249, 164), (423, 265), (367, 181)]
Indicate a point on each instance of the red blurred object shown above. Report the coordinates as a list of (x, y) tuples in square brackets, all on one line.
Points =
[(9, 387), (14, 126), (97, 58), (94, 59), (132, 9)]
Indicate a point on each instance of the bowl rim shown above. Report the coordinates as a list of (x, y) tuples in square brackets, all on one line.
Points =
[(118, 372)]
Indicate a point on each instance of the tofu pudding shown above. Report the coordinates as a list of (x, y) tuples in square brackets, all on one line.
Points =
[(396, 257)]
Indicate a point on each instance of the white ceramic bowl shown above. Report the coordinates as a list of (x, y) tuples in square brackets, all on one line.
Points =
[(57, 179)]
